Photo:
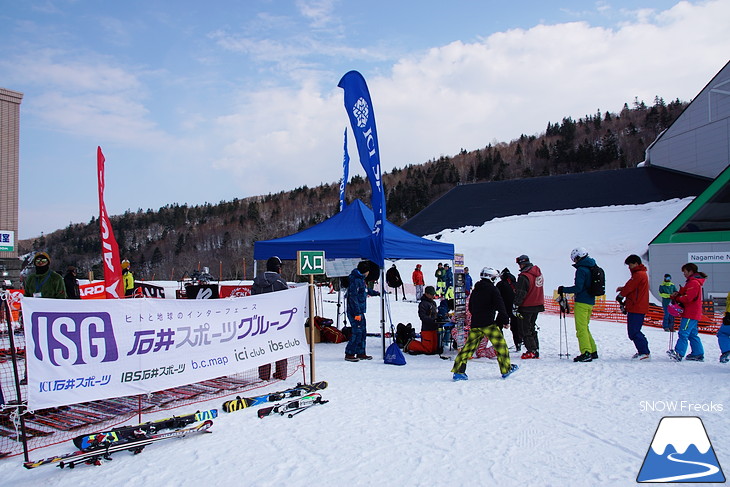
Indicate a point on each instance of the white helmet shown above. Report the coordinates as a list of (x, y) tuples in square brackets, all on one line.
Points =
[(578, 253), (489, 273)]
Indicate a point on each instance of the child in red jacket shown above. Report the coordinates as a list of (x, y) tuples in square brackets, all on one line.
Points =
[(689, 297)]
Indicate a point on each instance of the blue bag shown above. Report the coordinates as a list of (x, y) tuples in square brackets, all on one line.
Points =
[(393, 355)]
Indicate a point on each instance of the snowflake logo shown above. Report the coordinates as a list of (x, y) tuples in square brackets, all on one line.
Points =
[(361, 112)]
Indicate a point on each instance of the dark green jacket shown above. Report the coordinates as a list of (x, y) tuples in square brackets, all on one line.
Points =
[(49, 284)]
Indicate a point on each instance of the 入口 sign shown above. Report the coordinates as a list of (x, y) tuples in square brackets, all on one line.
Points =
[(310, 262)]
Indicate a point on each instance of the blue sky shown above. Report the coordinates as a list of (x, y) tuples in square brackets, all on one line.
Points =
[(205, 102)]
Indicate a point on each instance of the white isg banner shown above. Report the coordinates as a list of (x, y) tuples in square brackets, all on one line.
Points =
[(79, 350)]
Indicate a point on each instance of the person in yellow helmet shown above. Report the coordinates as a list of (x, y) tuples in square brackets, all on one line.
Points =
[(128, 278)]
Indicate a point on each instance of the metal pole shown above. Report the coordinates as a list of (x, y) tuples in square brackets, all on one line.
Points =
[(382, 308), (311, 329)]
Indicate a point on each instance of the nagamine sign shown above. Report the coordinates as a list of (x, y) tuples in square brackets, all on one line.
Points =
[(84, 350), (709, 257)]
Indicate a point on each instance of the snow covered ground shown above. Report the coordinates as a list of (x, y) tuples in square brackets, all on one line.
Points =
[(553, 423)]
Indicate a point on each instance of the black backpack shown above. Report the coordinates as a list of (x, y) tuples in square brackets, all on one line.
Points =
[(404, 333), (597, 284)]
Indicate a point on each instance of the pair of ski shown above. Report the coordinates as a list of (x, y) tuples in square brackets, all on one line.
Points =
[(103, 451), (246, 402), (130, 432), (293, 407)]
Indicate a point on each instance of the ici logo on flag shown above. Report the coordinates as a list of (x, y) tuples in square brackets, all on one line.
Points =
[(680, 452)]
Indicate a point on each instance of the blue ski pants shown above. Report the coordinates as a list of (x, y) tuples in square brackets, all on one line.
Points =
[(634, 322), (688, 333)]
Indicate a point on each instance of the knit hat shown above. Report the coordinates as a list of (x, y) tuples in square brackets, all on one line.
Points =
[(430, 290)]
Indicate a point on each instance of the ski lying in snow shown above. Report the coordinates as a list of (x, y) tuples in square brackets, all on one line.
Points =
[(104, 452), (247, 402), (129, 432), (294, 407)]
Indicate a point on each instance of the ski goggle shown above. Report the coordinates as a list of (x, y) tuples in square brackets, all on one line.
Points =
[(40, 261)]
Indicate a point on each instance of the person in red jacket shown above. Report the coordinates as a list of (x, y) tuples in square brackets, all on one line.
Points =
[(529, 302), (689, 297), (418, 281), (636, 294)]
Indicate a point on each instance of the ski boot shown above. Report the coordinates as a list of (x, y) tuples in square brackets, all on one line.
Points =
[(458, 376), (674, 355)]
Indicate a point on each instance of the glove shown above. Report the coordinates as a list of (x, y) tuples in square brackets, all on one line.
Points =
[(516, 311), (560, 289), (358, 317)]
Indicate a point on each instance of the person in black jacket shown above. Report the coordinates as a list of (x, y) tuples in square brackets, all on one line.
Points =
[(269, 282), (507, 286), (72, 284), (394, 281), (429, 327), (485, 301)]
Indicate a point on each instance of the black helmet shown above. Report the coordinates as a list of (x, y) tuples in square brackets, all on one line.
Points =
[(273, 264)]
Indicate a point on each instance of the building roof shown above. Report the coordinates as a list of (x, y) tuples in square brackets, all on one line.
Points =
[(475, 204)]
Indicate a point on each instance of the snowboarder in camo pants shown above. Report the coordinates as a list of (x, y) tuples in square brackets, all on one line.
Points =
[(484, 302)]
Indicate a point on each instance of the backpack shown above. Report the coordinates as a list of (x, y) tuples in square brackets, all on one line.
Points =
[(597, 284), (404, 333)]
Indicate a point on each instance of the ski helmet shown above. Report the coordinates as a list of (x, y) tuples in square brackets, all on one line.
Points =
[(578, 253), (489, 273)]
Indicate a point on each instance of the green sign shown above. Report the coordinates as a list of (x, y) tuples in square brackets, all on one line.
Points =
[(310, 262)]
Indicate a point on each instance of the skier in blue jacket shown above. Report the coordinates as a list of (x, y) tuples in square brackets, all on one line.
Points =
[(584, 302), (357, 303)]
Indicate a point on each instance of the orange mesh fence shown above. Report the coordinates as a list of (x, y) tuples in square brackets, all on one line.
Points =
[(609, 310)]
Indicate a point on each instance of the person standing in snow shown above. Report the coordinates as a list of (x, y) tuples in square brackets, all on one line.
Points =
[(127, 278), (468, 282), (689, 297), (583, 303), (484, 303), (71, 283), (418, 281), (269, 282), (357, 297), (529, 302), (636, 293), (429, 327), (439, 275), (723, 334), (507, 285), (44, 283), (666, 289), (394, 281)]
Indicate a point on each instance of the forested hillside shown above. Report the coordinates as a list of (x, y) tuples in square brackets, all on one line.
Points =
[(178, 238)]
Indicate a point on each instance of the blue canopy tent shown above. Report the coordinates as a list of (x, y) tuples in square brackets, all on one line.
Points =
[(348, 234)]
